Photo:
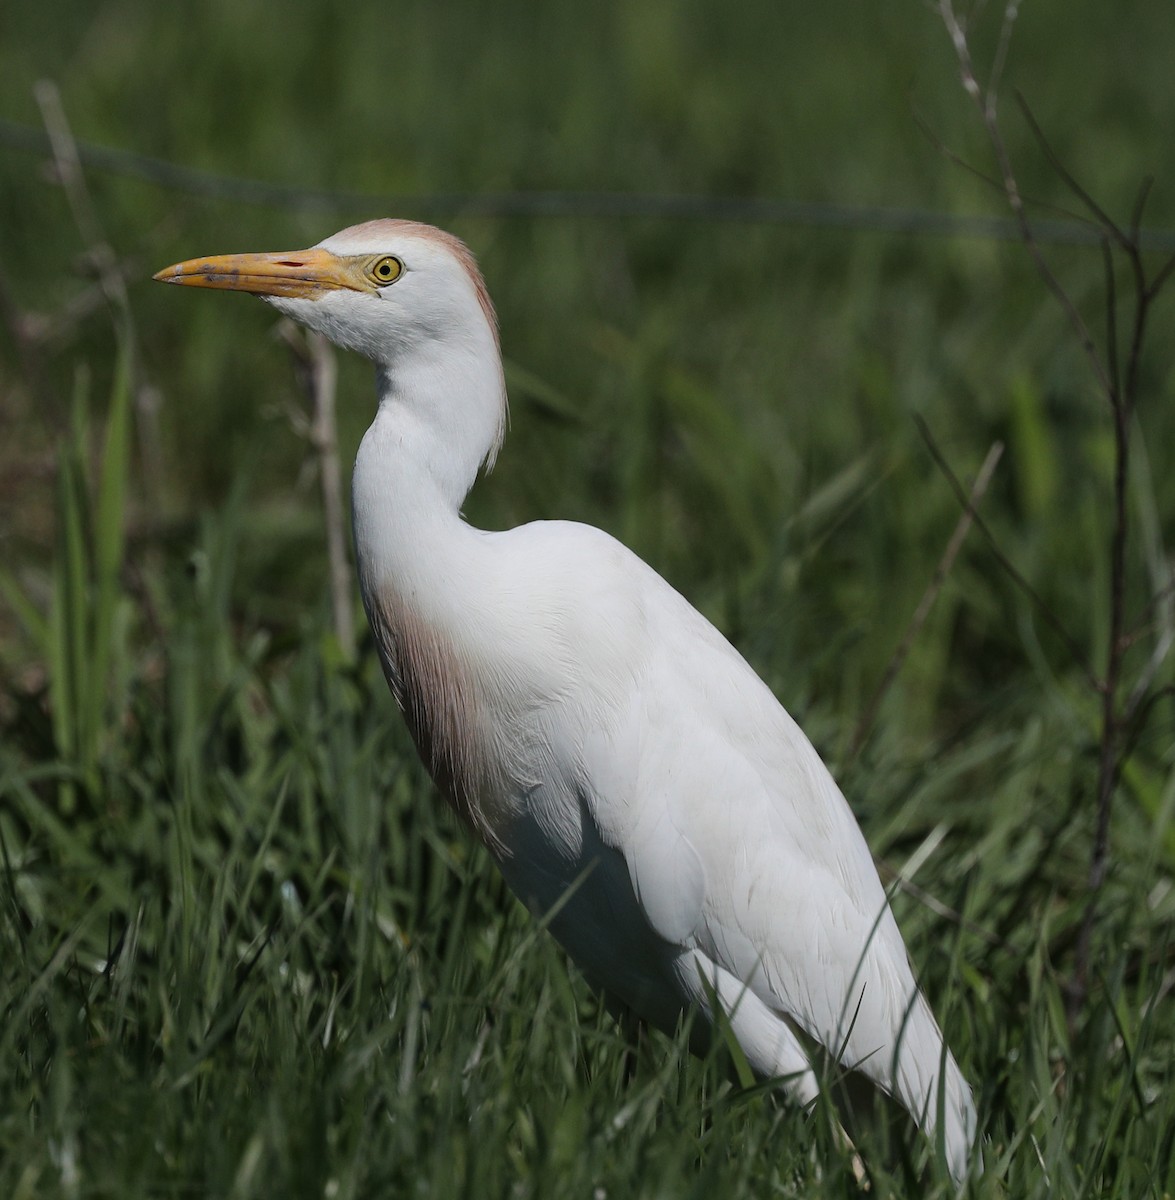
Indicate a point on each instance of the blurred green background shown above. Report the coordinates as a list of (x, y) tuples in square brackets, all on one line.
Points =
[(203, 798)]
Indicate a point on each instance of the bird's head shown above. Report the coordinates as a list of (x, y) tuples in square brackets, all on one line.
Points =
[(375, 288), (408, 296)]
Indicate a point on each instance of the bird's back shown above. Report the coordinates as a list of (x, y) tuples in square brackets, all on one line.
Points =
[(692, 821)]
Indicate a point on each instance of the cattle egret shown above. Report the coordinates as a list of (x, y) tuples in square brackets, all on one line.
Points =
[(619, 759)]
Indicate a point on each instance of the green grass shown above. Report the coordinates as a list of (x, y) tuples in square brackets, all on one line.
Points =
[(243, 952)]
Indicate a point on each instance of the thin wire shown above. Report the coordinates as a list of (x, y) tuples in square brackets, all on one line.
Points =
[(567, 204)]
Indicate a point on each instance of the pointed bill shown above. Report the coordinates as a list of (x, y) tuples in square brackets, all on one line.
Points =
[(308, 274)]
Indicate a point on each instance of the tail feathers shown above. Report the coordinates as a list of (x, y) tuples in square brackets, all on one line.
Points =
[(928, 1082)]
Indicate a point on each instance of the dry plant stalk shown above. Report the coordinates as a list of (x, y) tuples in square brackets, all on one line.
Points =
[(111, 275), (314, 360), (922, 612), (1115, 369)]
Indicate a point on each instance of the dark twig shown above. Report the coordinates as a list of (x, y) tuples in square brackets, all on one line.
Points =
[(930, 901), (1161, 276), (954, 545), (1101, 218), (68, 169), (1164, 631), (1000, 61), (1144, 193), (1108, 273), (987, 109), (1109, 761), (47, 330), (1137, 720), (1054, 622), (1118, 378), (1089, 234)]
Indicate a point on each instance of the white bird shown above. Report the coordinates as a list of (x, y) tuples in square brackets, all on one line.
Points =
[(610, 748)]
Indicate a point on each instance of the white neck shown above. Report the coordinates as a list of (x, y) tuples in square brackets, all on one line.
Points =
[(439, 417), (427, 577), (446, 411)]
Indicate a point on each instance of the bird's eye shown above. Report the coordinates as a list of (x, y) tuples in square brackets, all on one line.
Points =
[(385, 270)]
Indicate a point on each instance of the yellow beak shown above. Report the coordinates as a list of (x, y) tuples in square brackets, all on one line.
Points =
[(305, 273)]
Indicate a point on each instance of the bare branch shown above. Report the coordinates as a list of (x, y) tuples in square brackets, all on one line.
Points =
[(957, 160), (67, 164), (954, 545), (1111, 323), (996, 184), (1011, 12), (1118, 378), (1100, 215), (1161, 595), (68, 168), (1015, 201), (1140, 200), (935, 905), (1135, 727), (1142, 306), (1161, 277), (1146, 677), (1110, 745), (1054, 622)]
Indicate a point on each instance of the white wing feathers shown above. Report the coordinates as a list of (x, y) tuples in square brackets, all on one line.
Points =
[(743, 852), (716, 855)]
